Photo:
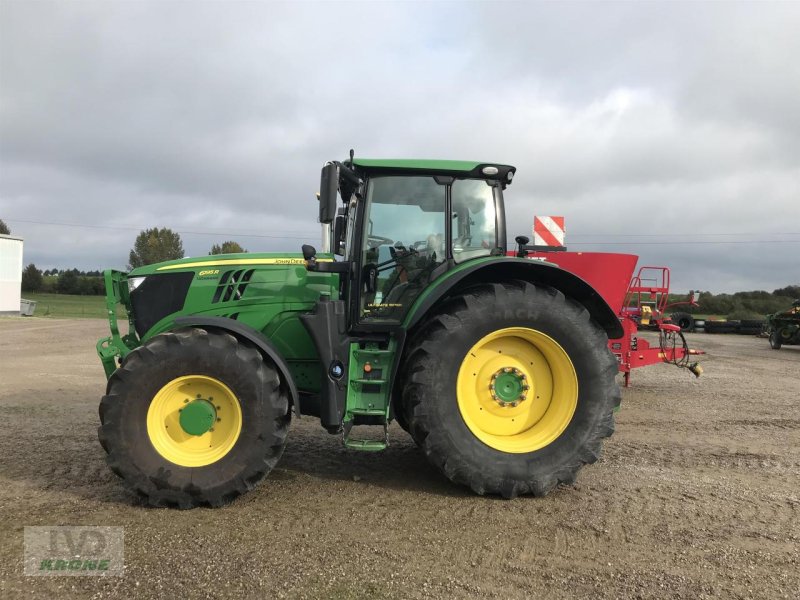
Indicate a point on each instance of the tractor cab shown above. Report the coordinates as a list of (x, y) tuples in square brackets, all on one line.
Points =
[(398, 225)]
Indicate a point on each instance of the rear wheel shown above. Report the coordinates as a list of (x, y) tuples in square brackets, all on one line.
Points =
[(510, 389), (683, 320), (193, 418)]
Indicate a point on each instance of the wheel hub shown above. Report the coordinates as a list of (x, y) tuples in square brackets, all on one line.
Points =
[(509, 387), (197, 417)]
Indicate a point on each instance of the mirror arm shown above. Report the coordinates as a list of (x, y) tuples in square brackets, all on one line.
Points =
[(330, 267)]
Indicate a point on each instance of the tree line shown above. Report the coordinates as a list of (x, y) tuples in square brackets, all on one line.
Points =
[(66, 281), (151, 246), (741, 305), (160, 244)]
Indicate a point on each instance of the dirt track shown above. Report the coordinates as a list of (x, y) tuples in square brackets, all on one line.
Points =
[(697, 495)]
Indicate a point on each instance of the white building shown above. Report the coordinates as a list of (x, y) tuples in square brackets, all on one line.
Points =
[(10, 274)]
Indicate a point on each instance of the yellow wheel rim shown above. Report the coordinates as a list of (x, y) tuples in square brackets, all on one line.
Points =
[(206, 432), (517, 390)]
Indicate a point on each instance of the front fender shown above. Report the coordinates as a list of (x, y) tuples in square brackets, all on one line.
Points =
[(243, 331)]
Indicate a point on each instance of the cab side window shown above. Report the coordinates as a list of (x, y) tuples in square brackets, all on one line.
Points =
[(474, 220)]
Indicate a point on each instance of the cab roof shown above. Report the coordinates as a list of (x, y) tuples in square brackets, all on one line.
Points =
[(457, 168)]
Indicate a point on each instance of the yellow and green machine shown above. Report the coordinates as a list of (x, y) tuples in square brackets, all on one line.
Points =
[(784, 327), (497, 366)]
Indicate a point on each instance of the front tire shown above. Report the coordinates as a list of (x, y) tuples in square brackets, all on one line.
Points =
[(775, 340), (193, 418), (510, 389)]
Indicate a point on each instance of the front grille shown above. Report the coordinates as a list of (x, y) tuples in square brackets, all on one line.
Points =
[(159, 296)]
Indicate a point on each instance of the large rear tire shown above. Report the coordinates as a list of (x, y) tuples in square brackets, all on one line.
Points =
[(683, 320), (193, 418), (510, 389)]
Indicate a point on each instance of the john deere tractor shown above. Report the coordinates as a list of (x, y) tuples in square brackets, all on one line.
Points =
[(498, 367), (784, 327)]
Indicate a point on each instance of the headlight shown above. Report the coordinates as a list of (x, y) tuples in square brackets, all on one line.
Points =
[(135, 282)]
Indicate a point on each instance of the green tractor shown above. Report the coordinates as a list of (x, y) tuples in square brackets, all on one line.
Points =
[(784, 327), (497, 366)]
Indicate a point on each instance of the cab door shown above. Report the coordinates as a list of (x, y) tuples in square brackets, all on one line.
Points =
[(403, 247)]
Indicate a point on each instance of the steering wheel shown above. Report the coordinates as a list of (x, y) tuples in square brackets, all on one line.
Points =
[(373, 241)]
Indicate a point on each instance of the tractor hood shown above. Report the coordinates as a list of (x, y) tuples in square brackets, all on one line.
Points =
[(236, 286), (220, 261)]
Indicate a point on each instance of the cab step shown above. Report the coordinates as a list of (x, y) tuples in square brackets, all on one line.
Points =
[(363, 444)]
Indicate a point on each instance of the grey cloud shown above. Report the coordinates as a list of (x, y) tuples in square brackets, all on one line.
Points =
[(626, 118)]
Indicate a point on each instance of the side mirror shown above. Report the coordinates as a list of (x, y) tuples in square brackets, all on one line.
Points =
[(309, 252), (522, 240), (310, 256), (328, 187)]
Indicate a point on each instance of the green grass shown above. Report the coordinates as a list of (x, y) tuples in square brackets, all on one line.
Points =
[(64, 306)]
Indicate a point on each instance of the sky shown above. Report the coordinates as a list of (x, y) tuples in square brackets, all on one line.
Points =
[(666, 130)]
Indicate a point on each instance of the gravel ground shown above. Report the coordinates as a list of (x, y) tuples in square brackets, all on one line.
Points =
[(697, 495)]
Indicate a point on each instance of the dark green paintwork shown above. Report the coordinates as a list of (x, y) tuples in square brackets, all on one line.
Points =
[(275, 297)]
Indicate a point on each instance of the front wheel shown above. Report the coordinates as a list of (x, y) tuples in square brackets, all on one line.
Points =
[(775, 340), (510, 389), (192, 418)]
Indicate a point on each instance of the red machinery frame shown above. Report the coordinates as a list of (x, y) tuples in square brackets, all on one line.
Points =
[(657, 293), (641, 299), (646, 305)]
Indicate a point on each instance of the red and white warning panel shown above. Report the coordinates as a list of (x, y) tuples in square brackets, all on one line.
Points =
[(548, 231)]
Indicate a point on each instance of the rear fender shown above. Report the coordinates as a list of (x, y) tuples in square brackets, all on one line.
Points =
[(535, 272)]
